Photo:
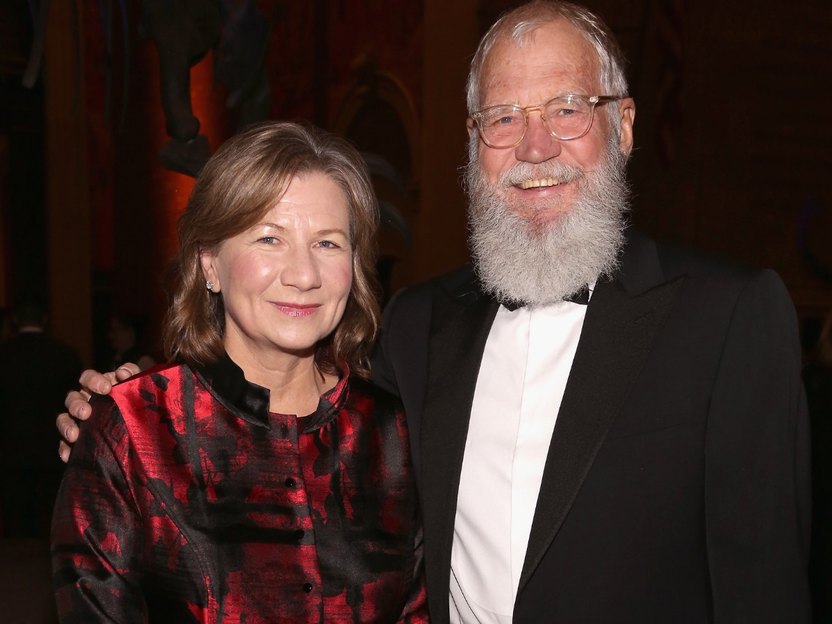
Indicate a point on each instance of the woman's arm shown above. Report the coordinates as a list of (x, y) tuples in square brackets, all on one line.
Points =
[(97, 534)]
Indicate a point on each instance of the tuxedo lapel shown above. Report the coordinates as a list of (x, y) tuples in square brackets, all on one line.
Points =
[(617, 335), (459, 331)]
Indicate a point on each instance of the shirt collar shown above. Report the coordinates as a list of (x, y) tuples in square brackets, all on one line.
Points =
[(227, 383)]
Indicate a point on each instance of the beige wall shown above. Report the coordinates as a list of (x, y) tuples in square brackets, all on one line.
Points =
[(451, 35)]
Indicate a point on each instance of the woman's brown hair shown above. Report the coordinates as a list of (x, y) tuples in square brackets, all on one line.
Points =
[(237, 187)]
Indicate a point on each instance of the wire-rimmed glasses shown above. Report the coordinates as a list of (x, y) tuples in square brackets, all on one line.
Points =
[(566, 117)]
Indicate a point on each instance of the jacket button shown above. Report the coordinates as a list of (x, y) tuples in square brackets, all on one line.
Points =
[(290, 483), (299, 534), (307, 587)]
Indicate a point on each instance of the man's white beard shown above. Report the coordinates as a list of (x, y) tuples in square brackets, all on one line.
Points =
[(520, 261)]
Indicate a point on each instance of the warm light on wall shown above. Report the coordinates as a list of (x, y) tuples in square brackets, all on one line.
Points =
[(174, 188)]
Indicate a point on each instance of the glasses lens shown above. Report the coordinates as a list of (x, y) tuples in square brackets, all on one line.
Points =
[(568, 117), (502, 126)]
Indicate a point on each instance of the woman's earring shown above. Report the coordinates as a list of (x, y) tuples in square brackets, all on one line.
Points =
[(209, 285)]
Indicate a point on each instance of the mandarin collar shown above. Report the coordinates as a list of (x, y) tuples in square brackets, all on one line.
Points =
[(225, 380)]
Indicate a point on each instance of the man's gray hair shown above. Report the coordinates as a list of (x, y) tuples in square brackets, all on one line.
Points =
[(524, 20)]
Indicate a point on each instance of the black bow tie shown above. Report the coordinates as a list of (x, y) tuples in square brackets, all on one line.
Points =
[(580, 297)]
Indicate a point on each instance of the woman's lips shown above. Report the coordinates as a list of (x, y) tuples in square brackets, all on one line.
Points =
[(296, 310)]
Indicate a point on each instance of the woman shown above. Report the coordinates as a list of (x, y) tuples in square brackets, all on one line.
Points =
[(258, 478)]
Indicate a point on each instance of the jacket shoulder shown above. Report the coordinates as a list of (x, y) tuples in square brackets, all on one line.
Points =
[(461, 279), (710, 280), (158, 377), (678, 260)]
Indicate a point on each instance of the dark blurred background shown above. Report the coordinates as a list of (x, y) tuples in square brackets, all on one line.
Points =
[(733, 133)]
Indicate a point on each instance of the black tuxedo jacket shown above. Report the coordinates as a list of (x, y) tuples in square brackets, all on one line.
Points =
[(676, 486)]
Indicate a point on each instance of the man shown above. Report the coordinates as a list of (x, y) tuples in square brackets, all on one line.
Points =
[(639, 459), (642, 458), (34, 372)]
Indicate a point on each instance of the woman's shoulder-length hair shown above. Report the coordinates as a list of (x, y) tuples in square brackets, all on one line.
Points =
[(237, 187)]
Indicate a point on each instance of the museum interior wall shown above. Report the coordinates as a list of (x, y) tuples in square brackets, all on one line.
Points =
[(733, 133)]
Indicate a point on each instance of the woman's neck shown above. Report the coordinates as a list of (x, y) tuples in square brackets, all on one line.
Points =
[(294, 382)]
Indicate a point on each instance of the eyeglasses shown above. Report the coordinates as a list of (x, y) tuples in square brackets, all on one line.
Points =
[(566, 117)]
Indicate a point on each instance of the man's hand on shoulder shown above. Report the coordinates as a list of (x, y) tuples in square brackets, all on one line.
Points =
[(77, 402)]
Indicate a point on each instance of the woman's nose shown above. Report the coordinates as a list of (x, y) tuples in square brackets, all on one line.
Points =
[(301, 270)]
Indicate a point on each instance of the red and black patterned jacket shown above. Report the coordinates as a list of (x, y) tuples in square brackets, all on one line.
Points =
[(185, 500)]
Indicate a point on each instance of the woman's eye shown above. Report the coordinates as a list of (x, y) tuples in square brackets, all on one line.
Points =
[(268, 240), (328, 244)]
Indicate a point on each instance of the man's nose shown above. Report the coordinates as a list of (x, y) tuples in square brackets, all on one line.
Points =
[(301, 270), (538, 144)]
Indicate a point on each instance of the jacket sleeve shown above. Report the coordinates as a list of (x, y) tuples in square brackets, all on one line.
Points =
[(96, 530), (757, 464), (416, 609), (400, 358)]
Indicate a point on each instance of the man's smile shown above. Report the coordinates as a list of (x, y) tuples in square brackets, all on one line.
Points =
[(539, 183)]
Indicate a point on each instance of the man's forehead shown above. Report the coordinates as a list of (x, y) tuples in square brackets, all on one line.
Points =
[(554, 56)]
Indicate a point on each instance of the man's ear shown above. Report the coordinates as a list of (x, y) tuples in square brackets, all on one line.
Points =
[(209, 270), (469, 123), (627, 113)]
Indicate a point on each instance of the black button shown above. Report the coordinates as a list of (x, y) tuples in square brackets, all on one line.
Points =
[(299, 534), (290, 483), (307, 587)]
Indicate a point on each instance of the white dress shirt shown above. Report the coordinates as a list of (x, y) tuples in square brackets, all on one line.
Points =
[(520, 386)]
